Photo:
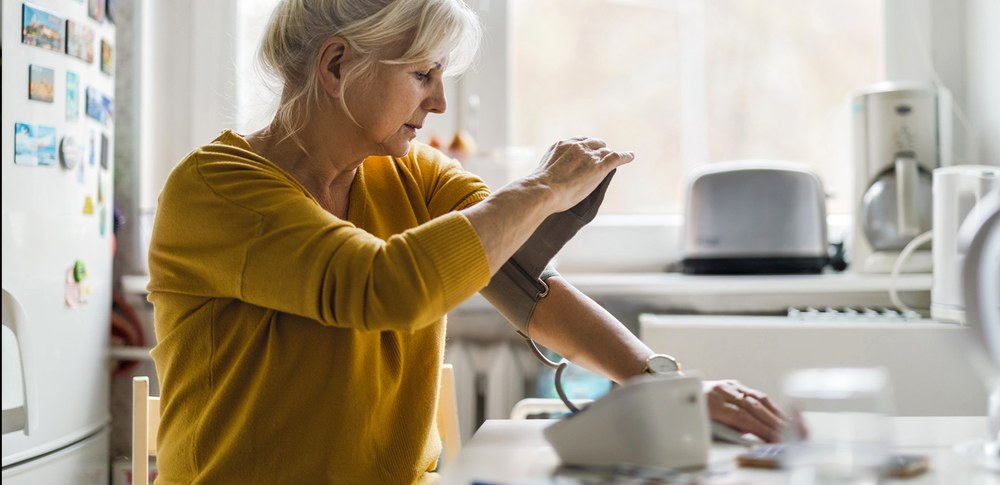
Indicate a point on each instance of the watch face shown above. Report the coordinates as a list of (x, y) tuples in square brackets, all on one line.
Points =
[(661, 364)]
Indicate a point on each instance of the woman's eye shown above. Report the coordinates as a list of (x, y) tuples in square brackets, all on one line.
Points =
[(423, 76)]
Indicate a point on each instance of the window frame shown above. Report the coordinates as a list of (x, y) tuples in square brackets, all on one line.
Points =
[(657, 236)]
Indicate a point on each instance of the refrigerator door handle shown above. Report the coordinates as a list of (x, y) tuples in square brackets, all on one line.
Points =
[(15, 417)]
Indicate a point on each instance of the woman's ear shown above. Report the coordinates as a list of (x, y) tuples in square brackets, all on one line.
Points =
[(333, 55)]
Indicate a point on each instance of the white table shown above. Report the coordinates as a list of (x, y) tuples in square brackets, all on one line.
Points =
[(515, 452)]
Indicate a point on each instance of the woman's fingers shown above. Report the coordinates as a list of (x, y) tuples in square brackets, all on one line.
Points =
[(745, 409), (617, 159), (575, 167)]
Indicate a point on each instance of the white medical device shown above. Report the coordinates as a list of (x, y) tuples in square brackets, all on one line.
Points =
[(654, 422)]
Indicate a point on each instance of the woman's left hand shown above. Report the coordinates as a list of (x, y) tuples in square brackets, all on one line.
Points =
[(743, 409)]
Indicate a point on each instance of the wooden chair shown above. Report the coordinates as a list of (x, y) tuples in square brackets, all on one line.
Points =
[(146, 422), (447, 414)]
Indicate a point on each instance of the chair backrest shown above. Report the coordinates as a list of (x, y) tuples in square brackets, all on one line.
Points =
[(447, 414), (145, 422)]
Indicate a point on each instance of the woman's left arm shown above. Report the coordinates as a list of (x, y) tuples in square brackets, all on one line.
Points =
[(577, 328), (581, 331)]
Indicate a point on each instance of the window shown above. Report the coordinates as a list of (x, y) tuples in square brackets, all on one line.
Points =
[(257, 96), (689, 82), (680, 82)]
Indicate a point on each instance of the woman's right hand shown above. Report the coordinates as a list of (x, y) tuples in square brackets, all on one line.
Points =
[(573, 168), (569, 172)]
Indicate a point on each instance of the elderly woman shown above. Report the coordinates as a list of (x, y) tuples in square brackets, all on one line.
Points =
[(301, 274)]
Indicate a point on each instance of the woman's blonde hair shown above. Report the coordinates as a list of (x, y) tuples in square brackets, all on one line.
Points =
[(297, 29)]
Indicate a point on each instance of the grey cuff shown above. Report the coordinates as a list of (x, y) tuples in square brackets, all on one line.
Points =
[(519, 285)]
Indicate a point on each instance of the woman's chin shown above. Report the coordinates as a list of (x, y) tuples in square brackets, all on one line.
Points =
[(397, 149)]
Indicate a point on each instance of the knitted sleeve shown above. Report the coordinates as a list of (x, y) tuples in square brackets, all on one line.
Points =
[(230, 228)]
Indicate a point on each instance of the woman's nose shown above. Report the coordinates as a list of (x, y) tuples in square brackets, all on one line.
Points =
[(436, 102)]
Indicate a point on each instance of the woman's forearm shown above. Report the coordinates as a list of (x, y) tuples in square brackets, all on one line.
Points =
[(569, 172), (508, 217), (577, 328)]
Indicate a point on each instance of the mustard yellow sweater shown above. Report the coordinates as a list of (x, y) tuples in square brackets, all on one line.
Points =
[(296, 347)]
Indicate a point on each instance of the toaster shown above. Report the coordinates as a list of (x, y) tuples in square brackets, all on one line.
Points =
[(754, 217)]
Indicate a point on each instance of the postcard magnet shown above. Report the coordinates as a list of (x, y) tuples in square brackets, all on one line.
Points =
[(80, 41), (41, 83), (110, 9), (95, 8), (92, 153), (34, 144), (107, 58), (103, 225), (42, 29), (105, 148), (72, 96), (99, 107)]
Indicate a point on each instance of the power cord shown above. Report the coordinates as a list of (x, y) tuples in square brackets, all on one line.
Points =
[(559, 367), (897, 267)]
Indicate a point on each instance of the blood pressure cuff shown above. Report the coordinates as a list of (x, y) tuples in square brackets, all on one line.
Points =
[(520, 283)]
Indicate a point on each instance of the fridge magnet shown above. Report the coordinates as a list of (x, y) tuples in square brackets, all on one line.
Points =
[(99, 106), (77, 287), (108, 106), (72, 291), (93, 150), (42, 29), (69, 152), (105, 147), (100, 189), (72, 96), (110, 9), (95, 8), (80, 41), (103, 221), (81, 177), (88, 206), (107, 60), (41, 83), (79, 271), (34, 144)]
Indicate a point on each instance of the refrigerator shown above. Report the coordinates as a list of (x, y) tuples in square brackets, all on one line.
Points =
[(58, 140)]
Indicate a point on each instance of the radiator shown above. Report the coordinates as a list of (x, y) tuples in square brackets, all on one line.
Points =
[(490, 377)]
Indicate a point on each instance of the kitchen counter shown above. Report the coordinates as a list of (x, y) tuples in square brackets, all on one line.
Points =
[(683, 293), (677, 292)]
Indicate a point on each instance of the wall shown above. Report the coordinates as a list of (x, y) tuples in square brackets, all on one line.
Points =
[(982, 36), (187, 76)]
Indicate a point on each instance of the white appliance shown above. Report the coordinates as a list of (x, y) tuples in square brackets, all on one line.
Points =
[(655, 422), (901, 133), (754, 217), (57, 135), (937, 380), (957, 189), (979, 236)]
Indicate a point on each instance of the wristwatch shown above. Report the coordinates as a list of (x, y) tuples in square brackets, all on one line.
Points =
[(661, 364)]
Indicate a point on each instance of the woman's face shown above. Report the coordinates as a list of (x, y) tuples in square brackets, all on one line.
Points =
[(392, 106)]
